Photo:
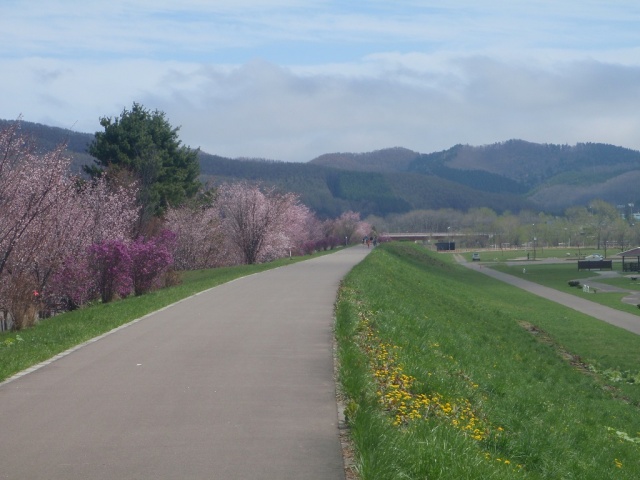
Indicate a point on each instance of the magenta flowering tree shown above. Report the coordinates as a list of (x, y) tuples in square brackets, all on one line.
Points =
[(260, 224), (73, 284), (150, 259), (110, 262)]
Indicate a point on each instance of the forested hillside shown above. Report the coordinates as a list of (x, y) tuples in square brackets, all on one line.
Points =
[(47, 138), (550, 176), (511, 175), (330, 191)]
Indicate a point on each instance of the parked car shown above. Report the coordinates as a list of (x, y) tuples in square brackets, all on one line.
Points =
[(596, 257), (475, 257)]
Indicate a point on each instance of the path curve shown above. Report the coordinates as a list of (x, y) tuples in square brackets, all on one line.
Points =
[(234, 383), (621, 319)]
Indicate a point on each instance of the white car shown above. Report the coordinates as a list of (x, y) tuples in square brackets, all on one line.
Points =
[(596, 257)]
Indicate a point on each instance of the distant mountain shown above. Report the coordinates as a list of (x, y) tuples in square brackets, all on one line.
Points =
[(331, 191), (511, 175), (47, 138), (551, 176), (389, 160)]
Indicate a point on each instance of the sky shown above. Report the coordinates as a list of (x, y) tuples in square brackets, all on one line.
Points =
[(291, 80)]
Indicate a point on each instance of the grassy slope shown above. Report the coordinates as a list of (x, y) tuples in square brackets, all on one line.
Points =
[(458, 338)]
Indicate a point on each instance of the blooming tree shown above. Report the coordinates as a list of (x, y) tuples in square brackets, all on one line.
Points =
[(349, 227), (111, 264), (260, 224), (47, 220), (199, 239), (150, 259), (31, 187)]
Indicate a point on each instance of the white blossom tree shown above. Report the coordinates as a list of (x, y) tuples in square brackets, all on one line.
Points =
[(199, 238), (260, 224)]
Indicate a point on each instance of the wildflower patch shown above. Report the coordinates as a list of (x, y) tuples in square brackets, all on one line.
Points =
[(395, 391)]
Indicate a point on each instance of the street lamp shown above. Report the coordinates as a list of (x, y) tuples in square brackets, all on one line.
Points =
[(534, 241)]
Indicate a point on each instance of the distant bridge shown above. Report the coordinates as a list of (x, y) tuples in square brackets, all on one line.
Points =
[(433, 235)]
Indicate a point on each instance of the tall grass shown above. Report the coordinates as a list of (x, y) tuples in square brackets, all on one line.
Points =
[(450, 374)]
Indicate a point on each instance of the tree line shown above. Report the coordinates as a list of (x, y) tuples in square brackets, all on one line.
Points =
[(598, 224), (137, 217)]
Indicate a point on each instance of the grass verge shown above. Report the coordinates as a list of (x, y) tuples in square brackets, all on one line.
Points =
[(21, 350), (450, 374)]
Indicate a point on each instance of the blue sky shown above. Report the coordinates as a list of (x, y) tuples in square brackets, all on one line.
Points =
[(290, 80)]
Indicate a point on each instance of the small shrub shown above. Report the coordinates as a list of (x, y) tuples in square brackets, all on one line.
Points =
[(111, 263), (172, 278), (308, 247), (574, 283), (22, 303), (322, 244), (73, 284), (149, 260)]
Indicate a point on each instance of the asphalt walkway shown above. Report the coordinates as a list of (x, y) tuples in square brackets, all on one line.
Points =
[(621, 319), (234, 383)]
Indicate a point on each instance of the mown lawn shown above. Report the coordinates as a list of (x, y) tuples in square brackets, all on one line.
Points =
[(21, 350), (558, 275), (450, 374), (506, 255)]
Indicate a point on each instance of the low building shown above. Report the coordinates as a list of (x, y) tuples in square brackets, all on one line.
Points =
[(630, 260)]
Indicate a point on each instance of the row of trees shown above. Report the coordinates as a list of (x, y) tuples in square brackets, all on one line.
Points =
[(599, 224), (138, 216)]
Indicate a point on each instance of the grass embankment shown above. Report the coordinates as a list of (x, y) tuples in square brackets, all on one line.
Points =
[(450, 374), (21, 350)]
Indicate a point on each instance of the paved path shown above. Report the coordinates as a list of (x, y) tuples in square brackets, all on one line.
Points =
[(625, 320), (235, 383)]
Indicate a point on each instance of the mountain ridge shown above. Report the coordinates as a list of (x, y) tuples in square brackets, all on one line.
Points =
[(511, 175)]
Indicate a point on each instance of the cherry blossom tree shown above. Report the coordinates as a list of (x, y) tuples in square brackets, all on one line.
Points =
[(199, 238), (259, 223), (48, 219), (348, 227), (31, 185), (97, 212)]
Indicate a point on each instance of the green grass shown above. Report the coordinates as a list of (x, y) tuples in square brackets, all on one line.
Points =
[(558, 275), (20, 350), (560, 253), (460, 339)]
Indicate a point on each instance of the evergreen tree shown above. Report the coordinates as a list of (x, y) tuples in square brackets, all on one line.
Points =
[(142, 146)]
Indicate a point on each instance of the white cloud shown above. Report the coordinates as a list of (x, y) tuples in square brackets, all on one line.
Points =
[(293, 79)]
